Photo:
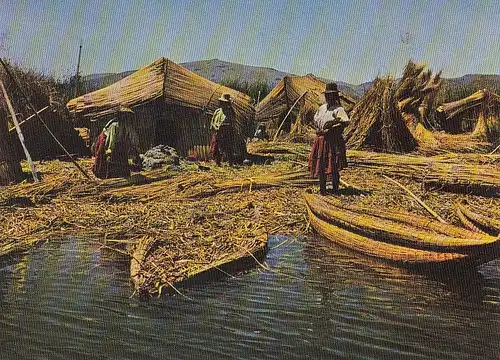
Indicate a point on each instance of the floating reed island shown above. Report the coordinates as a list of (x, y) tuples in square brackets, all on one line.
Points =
[(181, 224), (184, 223)]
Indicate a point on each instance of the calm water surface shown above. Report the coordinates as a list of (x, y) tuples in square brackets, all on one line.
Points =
[(67, 301)]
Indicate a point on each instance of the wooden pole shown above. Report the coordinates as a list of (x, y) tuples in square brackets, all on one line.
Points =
[(77, 71), (288, 113), (32, 108), (424, 205), (19, 132), (31, 117)]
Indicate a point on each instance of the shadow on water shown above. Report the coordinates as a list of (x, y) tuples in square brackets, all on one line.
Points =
[(344, 265), (317, 301)]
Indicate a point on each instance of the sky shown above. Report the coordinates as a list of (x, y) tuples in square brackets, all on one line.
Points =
[(346, 40)]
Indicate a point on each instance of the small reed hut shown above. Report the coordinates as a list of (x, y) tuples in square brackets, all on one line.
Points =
[(308, 90), (172, 105), (45, 95), (478, 114)]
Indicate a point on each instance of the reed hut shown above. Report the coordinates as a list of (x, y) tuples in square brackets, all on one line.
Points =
[(393, 115), (173, 106), (478, 114), (303, 93)]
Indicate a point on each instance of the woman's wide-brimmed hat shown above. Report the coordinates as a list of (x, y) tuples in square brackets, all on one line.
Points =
[(331, 88), (225, 97)]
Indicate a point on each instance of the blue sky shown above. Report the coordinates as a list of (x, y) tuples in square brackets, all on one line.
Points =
[(352, 41)]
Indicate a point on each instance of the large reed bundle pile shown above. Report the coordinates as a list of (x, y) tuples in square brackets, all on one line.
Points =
[(376, 122), (386, 118), (40, 89)]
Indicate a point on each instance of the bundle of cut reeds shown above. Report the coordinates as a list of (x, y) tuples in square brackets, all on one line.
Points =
[(291, 179)]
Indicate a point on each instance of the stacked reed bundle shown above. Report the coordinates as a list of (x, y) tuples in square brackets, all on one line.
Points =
[(299, 179), (483, 106), (386, 117), (435, 172), (376, 122)]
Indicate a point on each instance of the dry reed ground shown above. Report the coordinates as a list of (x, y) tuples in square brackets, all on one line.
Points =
[(191, 220)]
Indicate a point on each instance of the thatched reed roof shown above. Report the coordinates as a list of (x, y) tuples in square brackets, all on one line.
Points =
[(454, 108), (277, 103), (161, 79)]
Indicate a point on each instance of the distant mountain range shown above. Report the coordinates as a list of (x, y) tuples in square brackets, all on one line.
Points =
[(223, 71)]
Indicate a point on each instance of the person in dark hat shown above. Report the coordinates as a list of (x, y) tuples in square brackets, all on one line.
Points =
[(115, 143), (328, 154), (222, 124)]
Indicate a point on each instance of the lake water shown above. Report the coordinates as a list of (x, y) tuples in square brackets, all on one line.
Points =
[(67, 301)]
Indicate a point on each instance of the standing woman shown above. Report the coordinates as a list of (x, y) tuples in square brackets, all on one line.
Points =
[(328, 154), (222, 124)]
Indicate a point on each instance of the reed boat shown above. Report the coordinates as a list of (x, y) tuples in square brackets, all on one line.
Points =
[(405, 239)]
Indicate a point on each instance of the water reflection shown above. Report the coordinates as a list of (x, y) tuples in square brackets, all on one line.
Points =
[(318, 301)]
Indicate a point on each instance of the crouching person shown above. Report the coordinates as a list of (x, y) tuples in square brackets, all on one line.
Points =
[(115, 143)]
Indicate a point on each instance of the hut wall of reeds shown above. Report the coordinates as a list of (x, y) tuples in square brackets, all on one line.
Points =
[(10, 167), (173, 106), (41, 144), (274, 107), (478, 114)]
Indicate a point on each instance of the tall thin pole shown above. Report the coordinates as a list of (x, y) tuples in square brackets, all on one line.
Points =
[(19, 132), (77, 71)]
